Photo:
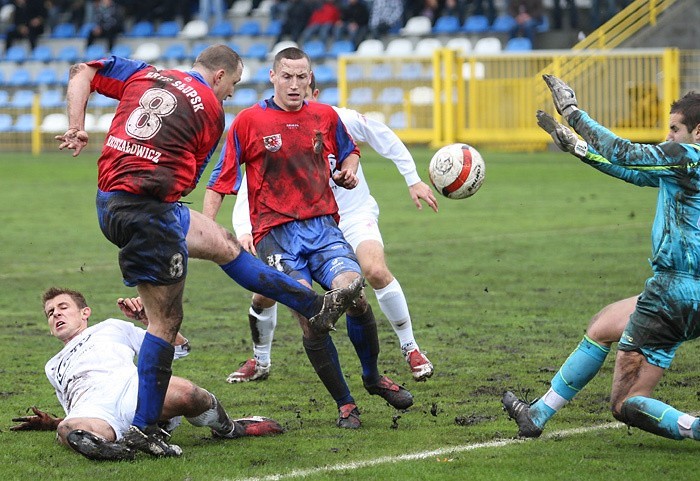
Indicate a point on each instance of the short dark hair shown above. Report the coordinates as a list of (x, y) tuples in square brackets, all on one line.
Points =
[(290, 53), (219, 56), (53, 292), (689, 107), (312, 84)]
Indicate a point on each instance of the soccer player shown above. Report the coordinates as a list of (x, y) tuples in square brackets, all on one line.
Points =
[(359, 214), (166, 126), (665, 314), (290, 148), (96, 383)]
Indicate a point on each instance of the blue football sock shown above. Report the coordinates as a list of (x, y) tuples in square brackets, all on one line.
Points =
[(324, 358), (653, 416), (362, 331), (254, 275), (577, 371), (154, 369)]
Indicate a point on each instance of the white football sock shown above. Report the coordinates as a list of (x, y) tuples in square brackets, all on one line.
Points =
[(266, 323), (393, 304)]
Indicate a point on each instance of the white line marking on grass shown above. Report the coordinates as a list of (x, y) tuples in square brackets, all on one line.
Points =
[(302, 473)]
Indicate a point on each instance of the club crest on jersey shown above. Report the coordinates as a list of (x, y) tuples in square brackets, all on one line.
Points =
[(273, 142)]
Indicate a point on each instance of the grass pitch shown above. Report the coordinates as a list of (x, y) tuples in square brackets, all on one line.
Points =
[(500, 286)]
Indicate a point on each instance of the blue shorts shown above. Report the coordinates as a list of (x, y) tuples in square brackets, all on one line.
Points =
[(312, 249), (150, 235), (667, 314)]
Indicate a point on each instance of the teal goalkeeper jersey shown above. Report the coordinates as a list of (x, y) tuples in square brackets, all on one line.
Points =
[(672, 167)]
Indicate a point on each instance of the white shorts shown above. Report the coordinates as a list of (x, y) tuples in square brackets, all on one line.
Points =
[(114, 403), (361, 224)]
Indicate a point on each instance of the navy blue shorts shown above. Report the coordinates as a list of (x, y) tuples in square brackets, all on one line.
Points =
[(150, 235), (312, 249)]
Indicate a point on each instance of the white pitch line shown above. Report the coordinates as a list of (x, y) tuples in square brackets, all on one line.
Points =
[(302, 473)]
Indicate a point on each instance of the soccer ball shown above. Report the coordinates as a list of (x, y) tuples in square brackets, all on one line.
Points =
[(457, 171)]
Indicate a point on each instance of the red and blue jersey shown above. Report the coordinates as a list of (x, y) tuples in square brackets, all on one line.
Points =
[(289, 157), (165, 128)]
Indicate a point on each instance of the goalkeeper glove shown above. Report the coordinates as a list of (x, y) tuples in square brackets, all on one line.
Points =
[(563, 96), (563, 136)]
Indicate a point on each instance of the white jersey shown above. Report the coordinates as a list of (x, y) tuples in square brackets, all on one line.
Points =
[(95, 363), (378, 136)]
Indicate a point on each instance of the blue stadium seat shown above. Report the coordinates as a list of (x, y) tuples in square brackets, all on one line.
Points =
[(324, 74), (17, 54), (329, 96), (20, 77), (315, 49), (518, 44), (102, 101), (446, 24), (267, 93), (42, 53), (382, 71), (544, 26), (235, 47), (257, 50), (95, 51), (261, 75), (361, 96), (4, 98), (198, 48), (51, 99), (391, 96), (64, 30), (22, 99), (85, 29), (476, 24), (221, 29), (273, 28), (244, 97), (47, 76), (354, 73), (23, 123), (68, 53), (250, 28), (5, 123), (122, 50), (168, 29), (397, 120), (175, 52), (143, 28), (340, 47), (503, 24), (411, 71)]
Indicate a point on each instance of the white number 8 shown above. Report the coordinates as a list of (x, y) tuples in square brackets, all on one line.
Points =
[(146, 120)]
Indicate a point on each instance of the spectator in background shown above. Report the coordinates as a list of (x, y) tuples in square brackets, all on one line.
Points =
[(108, 23), (422, 8), (602, 11), (558, 12), (354, 19), (385, 16), (295, 19), (528, 14), (454, 8), (28, 22), (209, 8), (72, 11), (476, 7), (323, 18)]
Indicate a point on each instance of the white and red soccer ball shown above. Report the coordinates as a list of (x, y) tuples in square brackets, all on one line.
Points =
[(457, 171)]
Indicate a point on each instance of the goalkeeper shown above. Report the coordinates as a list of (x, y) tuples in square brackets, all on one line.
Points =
[(96, 383), (665, 315)]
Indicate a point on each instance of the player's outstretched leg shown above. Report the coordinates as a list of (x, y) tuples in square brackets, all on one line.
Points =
[(519, 411), (252, 426), (335, 303), (421, 367), (98, 449)]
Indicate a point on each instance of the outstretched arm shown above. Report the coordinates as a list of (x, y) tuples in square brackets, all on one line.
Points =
[(77, 94), (41, 421)]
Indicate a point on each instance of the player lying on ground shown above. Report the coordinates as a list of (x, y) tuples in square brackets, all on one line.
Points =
[(359, 222), (294, 216), (96, 383), (665, 314)]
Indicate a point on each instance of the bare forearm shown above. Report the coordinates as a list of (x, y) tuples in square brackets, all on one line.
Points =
[(77, 94), (212, 203)]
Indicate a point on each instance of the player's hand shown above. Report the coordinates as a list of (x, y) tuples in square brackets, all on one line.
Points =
[(563, 96), (345, 179), (40, 422), (420, 190), (132, 307), (246, 241), (563, 136), (73, 139)]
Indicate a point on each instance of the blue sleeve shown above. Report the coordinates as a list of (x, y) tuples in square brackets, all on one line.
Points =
[(346, 145), (600, 163), (118, 68)]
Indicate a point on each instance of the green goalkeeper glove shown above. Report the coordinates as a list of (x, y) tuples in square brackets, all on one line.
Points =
[(563, 136), (563, 96)]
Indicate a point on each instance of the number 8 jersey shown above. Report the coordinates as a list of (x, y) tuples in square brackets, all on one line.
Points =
[(166, 126)]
